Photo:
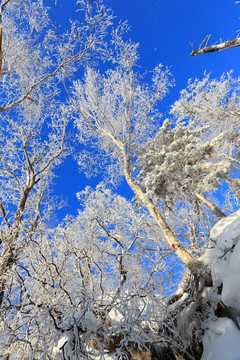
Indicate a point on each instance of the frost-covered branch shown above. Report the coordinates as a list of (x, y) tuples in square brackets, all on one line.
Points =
[(214, 48), (215, 210)]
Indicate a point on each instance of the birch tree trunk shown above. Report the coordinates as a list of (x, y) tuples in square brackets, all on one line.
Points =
[(211, 206), (191, 262)]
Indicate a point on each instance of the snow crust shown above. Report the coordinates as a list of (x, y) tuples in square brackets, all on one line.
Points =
[(223, 256), (222, 341), (57, 351)]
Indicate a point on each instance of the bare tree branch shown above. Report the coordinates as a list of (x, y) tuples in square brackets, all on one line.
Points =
[(5, 215), (208, 49)]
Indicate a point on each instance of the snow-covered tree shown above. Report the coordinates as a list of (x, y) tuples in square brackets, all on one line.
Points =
[(34, 61), (119, 112), (215, 104), (180, 166), (96, 277), (101, 284), (179, 158)]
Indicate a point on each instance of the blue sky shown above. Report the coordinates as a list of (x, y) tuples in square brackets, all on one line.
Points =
[(163, 28)]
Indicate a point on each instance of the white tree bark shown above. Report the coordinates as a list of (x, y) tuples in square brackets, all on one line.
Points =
[(191, 262), (214, 209), (222, 46)]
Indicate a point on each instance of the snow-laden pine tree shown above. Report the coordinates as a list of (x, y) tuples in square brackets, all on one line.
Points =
[(178, 157), (204, 134), (215, 103)]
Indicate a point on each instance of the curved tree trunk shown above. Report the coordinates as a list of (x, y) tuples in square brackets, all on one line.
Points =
[(191, 262)]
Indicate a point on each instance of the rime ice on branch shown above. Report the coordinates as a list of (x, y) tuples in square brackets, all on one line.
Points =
[(215, 47)]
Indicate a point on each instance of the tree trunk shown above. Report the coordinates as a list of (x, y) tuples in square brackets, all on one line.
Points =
[(211, 206), (191, 262)]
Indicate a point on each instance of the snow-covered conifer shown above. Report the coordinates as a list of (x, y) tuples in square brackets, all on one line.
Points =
[(177, 163)]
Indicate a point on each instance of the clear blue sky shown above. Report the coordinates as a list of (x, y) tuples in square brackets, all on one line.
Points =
[(164, 28)]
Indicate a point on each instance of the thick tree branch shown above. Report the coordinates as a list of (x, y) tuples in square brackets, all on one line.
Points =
[(211, 206), (5, 215), (215, 48)]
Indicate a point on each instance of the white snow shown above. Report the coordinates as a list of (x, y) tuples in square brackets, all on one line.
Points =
[(229, 272), (115, 315), (87, 320), (223, 256), (57, 349), (63, 345), (104, 356), (221, 341)]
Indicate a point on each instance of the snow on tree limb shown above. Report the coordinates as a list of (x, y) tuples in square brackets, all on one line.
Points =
[(214, 48)]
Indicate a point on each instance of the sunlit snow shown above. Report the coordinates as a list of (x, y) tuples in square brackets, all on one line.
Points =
[(222, 339), (223, 256)]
